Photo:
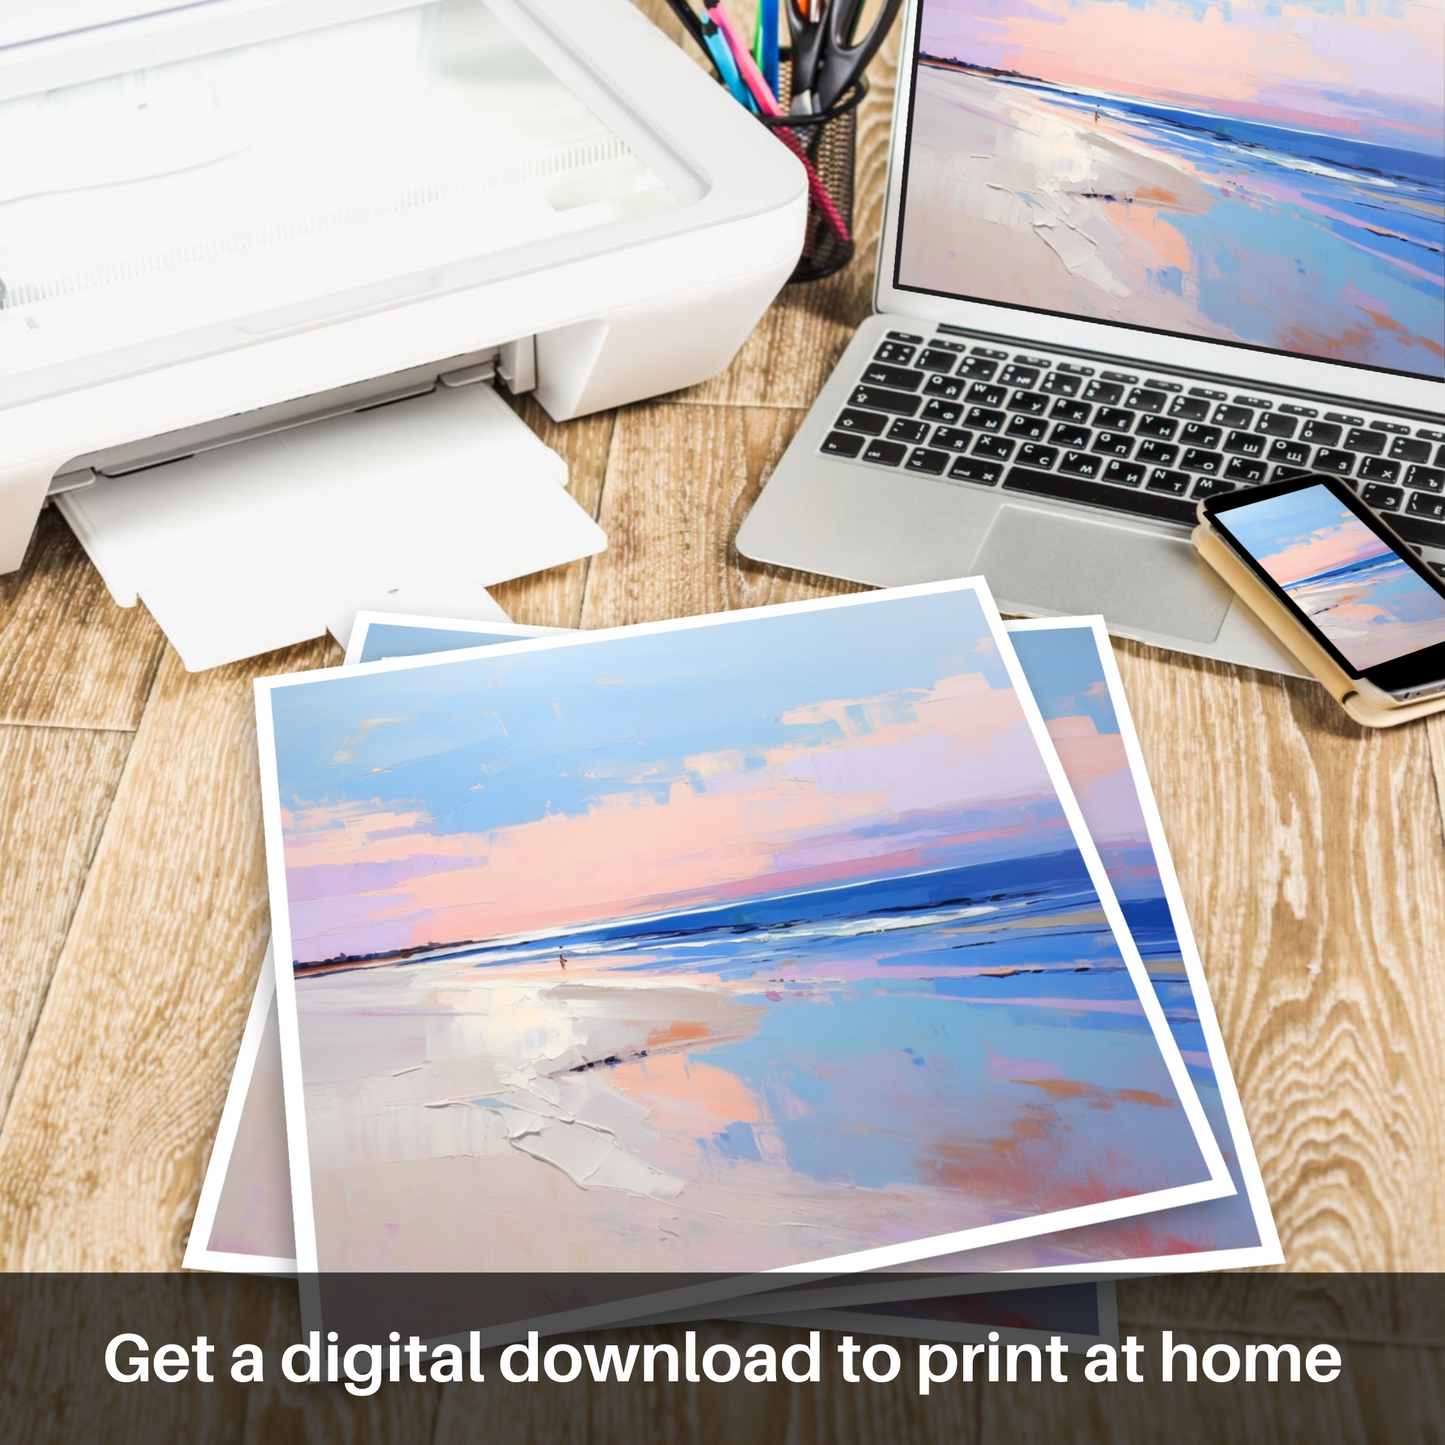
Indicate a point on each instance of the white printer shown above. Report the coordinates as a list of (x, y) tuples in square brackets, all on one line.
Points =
[(226, 219)]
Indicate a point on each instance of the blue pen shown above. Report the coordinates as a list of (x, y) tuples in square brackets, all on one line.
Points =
[(768, 60), (727, 67)]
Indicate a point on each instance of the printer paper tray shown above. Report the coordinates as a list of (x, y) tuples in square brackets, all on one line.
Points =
[(417, 506)]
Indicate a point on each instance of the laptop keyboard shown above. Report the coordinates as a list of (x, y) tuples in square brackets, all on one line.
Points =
[(1140, 444)]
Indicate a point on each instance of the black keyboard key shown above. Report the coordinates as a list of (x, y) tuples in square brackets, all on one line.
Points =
[(948, 387), (1245, 444), (987, 351), (1199, 460), (843, 444), (1419, 530), (1035, 403), (1429, 435), (1195, 435), (904, 430), (1189, 408), (1161, 479), (1210, 487), (1427, 479), (1071, 488), (1344, 418), (1075, 411), (1440, 457), (984, 419), (1272, 424), (1292, 454), (1235, 416), (1031, 428), (933, 359), (1042, 457), (1144, 398), (1245, 469), (1127, 377), (1113, 418), (1070, 436), (926, 460), (1156, 454), (1372, 443), (976, 368), (867, 422), (1060, 383), (1081, 464), (1107, 392), (1204, 391), (971, 469), (1124, 474), (957, 347), (1077, 370), (895, 353), (905, 336), (1112, 444), (877, 374), (1425, 504), (954, 438), (1406, 449), (1290, 474), (878, 398), (935, 409), (1381, 498), (995, 447), (1156, 426), (1327, 459), (1321, 433), (1377, 469), (982, 394), (1020, 376), (886, 454), (1294, 410)]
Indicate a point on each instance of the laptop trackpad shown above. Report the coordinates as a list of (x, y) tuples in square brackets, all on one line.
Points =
[(1039, 559)]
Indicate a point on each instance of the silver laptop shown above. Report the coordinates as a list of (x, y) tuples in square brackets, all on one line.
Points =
[(1130, 258)]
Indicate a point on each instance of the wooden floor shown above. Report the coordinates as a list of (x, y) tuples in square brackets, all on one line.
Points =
[(133, 899)]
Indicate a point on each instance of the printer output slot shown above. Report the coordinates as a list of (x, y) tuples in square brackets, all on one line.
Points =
[(514, 362)]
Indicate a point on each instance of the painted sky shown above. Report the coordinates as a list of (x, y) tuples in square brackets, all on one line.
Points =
[(1303, 534), (481, 798), (1373, 70)]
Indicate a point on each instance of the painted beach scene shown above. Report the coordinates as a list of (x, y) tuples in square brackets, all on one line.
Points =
[(734, 946), (1367, 600), (1064, 667), (1267, 173)]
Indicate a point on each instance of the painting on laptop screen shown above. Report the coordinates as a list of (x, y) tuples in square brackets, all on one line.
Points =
[(1267, 173)]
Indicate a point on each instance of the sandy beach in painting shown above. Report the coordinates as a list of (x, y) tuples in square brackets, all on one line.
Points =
[(1113, 207), (705, 1081)]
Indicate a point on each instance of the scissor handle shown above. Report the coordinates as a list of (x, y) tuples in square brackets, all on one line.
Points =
[(808, 39), (844, 59)]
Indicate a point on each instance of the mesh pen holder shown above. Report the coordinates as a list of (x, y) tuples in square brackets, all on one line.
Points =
[(827, 144)]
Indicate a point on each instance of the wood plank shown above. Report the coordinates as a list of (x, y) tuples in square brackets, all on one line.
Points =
[(69, 657), (554, 598), (102, 1150), (679, 482), (56, 786), (1381, 1392), (827, 1413), (1312, 862)]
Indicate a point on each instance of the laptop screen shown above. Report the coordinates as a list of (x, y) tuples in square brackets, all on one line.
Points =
[(1269, 173)]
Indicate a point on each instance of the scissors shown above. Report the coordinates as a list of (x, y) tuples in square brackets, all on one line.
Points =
[(828, 56)]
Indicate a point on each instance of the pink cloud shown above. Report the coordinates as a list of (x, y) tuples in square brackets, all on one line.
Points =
[(1327, 549)]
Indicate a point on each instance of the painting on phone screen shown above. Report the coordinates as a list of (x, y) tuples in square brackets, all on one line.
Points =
[(1366, 600)]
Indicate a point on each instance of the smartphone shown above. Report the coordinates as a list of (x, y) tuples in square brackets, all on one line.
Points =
[(1336, 566)]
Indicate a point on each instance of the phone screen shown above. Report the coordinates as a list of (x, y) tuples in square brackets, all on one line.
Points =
[(1364, 599)]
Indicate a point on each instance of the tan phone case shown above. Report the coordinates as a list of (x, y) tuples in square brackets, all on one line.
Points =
[(1270, 611)]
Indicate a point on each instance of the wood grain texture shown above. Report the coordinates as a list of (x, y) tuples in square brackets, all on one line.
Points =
[(69, 657), (705, 1413), (56, 786), (679, 483), (1311, 859), (115, 1108), (1378, 1397), (554, 598)]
